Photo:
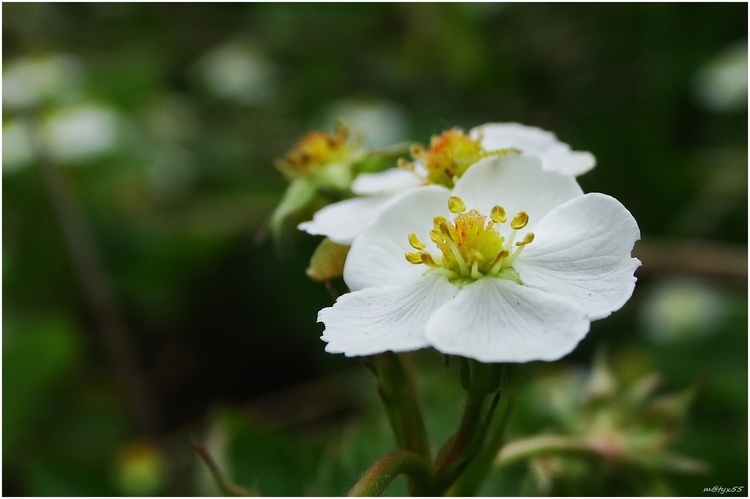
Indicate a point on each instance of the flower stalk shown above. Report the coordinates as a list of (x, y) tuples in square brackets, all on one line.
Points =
[(470, 481), (399, 394), (481, 382), (381, 474)]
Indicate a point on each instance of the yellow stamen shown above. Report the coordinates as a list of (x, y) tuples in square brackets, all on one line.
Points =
[(428, 260), (416, 151), (456, 204), (497, 264), (474, 256), (459, 258), (415, 242), (445, 229), (498, 215), (472, 245), (526, 239), (414, 258), (439, 220), (403, 164), (475, 274), (519, 221)]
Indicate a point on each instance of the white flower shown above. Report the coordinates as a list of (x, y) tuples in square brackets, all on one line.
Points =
[(448, 157), (512, 265)]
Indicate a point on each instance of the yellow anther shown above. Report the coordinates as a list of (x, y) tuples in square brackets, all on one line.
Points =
[(415, 242), (498, 215), (520, 220), (415, 258), (438, 221), (471, 245), (416, 151), (526, 239), (445, 229), (428, 260), (402, 163), (500, 256), (456, 204)]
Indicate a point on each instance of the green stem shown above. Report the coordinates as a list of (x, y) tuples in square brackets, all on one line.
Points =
[(481, 382), (466, 442), (398, 391), (227, 488), (522, 450), (469, 482), (381, 474)]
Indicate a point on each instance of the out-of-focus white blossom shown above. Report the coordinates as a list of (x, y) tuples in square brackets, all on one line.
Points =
[(679, 308), (18, 148), (29, 81), (379, 122), (721, 85), (80, 133), (239, 72)]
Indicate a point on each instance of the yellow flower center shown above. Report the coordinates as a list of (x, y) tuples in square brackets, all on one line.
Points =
[(315, 152), (472, 246), (449, 156)]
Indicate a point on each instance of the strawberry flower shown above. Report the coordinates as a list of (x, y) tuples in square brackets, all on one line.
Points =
[(510, 265)]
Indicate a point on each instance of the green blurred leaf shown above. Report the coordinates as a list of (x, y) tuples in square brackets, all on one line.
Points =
[(37, 355)]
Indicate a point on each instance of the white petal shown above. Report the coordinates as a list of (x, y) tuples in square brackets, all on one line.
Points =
[(517, 183), (377, 256), (555, 155), (582, 251), (497, 320), (388, 181), (388, 318), (345, 220)]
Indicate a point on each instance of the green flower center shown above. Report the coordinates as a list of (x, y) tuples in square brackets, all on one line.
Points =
[(472, 246)]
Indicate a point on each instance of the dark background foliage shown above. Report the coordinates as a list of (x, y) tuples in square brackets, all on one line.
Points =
[(195, 101)]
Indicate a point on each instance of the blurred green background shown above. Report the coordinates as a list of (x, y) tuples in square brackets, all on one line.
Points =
[(144, 304)]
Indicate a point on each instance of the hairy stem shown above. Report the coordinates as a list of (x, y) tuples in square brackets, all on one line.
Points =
[(399, 394), (381, 474)]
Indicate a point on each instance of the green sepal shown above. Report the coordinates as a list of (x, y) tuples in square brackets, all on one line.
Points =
[(327, 261), (379, 160), (298, 199)]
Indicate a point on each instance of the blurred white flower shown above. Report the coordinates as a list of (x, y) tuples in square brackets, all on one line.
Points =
[(516, 263), (238, 72), (18, 148), (80, 133), (679, 308), (378, 121), (721, 85), (443, 163), (29, 81)]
